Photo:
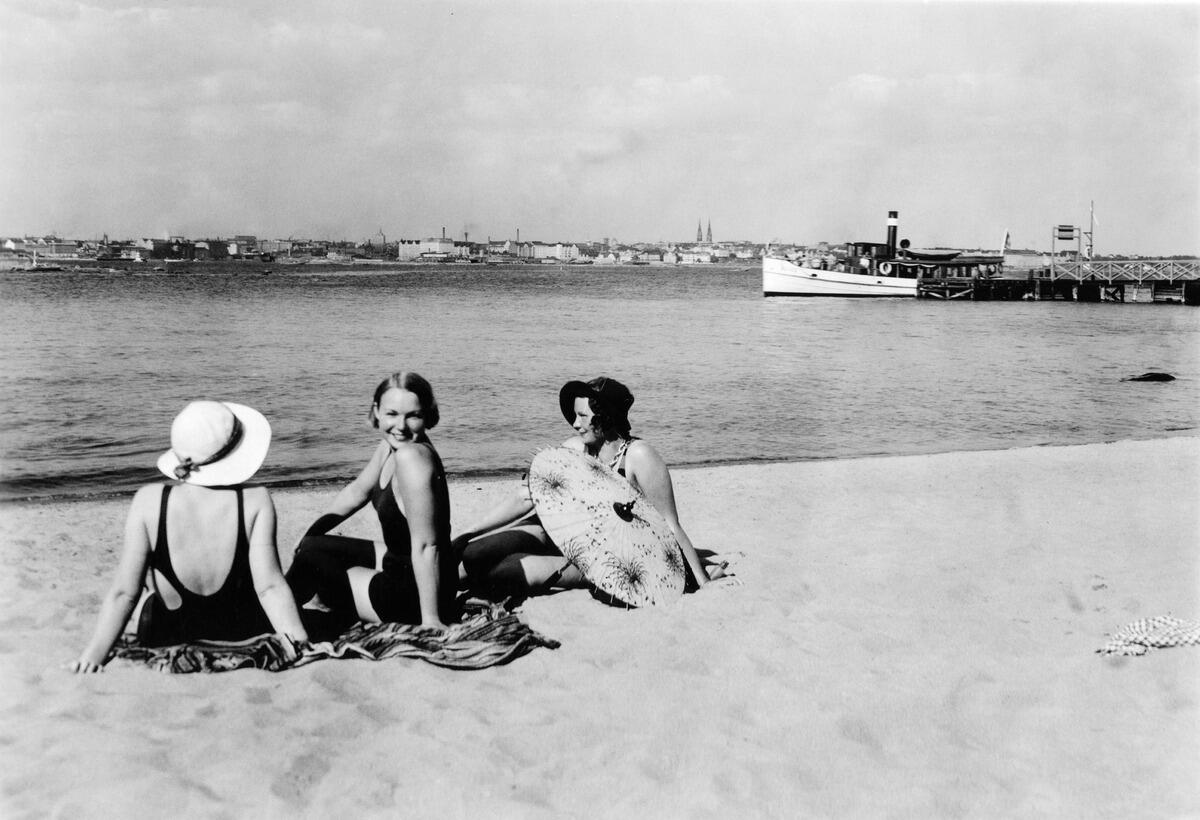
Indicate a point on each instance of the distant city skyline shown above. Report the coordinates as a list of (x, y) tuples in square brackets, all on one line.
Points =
[(571, 121)]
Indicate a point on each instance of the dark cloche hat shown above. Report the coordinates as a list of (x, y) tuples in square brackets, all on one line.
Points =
[(612, 397)]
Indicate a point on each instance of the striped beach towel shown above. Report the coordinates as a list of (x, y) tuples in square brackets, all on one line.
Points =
[(1140, 637), (489, 636)]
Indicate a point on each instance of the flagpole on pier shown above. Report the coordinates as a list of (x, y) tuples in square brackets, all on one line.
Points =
[(1091, 229)]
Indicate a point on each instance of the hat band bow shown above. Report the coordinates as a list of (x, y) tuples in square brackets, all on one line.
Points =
[(187, 466)]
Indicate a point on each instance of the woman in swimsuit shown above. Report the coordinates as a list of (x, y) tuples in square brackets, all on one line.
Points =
[(411, 576), (508, 551), (207, 541)]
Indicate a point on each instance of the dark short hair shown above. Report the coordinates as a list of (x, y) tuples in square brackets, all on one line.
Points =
[(414, 383), (609, 399), (611, 423)]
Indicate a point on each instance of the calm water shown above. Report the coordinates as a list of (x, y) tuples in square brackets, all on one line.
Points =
[(94, 365)]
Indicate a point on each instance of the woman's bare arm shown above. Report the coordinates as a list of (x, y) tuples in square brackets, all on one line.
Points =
[(513, 507), (351, 498), (126, 587), (273, 591), (414, 485), (647, 468)]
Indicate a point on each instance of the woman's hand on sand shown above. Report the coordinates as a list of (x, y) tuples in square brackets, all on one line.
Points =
[(84, 667)]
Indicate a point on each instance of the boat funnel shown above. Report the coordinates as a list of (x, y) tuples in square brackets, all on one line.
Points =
[(891, 233)]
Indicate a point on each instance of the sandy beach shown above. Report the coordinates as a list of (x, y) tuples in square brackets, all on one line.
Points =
[(912, 637)]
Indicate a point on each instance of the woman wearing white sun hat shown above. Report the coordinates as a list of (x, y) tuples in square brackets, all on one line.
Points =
[(208, 556)]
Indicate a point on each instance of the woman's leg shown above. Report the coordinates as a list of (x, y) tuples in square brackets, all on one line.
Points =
[(359, 580), (320, 567), (519, 561), (483, 553), (541, 573), (387, 595), (492, 563)]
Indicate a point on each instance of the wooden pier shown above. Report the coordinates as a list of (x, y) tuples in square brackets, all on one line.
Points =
[(1111, 280)]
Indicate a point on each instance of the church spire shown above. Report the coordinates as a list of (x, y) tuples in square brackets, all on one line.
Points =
[(708, 236), (699, 231)]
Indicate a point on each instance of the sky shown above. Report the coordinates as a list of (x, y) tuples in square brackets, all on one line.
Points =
[(570, 121)]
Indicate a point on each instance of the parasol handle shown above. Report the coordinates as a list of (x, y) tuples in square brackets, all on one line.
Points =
[(624, 511)]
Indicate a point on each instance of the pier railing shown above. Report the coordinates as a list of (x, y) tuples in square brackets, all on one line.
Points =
[(1127, 270)]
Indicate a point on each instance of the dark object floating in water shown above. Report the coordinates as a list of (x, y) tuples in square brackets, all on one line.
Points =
[(1151, 377)]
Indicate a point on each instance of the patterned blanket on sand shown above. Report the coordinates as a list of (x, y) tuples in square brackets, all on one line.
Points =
[(490, 635)]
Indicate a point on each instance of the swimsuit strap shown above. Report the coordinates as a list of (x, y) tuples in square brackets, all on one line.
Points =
[(242, 547), (241, 551), (618, 461), (161, 559), (161, 538)]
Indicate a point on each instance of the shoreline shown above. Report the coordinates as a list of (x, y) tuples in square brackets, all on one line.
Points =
[(514, 472), (913, 636), (319, 265)]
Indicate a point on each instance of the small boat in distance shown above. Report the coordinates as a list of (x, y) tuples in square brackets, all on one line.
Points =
[(871, 269)]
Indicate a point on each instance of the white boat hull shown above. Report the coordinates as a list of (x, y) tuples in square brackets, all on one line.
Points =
[(784, 278)]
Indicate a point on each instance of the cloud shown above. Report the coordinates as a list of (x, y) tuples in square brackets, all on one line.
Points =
[(581, 117), (866, 88)]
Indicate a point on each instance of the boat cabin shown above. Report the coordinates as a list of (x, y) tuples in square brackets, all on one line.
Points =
[(879, 259), (950, 264)]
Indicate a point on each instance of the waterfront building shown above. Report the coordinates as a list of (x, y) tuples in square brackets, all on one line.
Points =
[(557, 250), (44, 246), (408, 249), (502, 247)]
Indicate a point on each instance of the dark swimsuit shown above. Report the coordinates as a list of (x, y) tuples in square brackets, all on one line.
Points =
[(232, 613), (321, 562), (393, 591)]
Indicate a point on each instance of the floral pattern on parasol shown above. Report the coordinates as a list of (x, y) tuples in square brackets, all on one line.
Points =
[(604, 526)]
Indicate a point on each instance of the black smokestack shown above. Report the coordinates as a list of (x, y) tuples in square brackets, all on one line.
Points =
[(891, 236)]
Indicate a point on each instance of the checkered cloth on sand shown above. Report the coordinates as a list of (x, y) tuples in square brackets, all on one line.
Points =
[(1140, 637), (489, 636)]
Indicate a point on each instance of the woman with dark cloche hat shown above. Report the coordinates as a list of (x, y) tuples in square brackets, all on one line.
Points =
[(508, 552)]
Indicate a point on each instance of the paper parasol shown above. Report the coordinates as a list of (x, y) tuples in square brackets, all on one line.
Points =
[(605, 527)]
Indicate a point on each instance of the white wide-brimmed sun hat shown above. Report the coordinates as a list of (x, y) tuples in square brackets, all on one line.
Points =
[(216, 444)]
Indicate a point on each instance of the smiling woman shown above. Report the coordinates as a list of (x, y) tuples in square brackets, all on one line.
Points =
[(409, 577)]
